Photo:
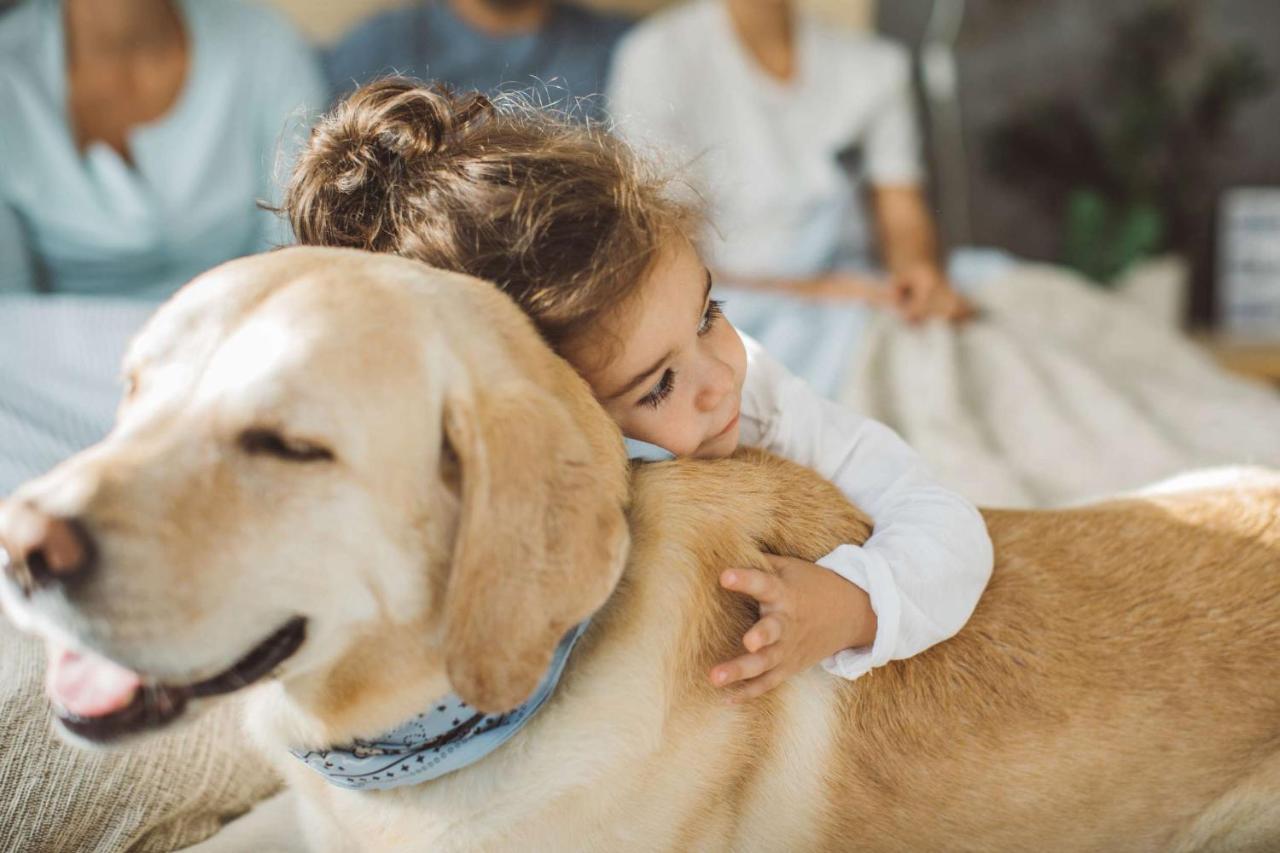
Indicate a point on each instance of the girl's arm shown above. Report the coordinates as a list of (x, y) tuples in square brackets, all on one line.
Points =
[(929, 556)]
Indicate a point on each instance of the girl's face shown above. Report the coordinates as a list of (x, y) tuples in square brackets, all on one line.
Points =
[(676, 380)]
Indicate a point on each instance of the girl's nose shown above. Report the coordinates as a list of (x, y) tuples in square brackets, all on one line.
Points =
[(717, 382)]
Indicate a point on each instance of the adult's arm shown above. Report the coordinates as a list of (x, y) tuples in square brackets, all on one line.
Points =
[(836, 286), (17, 268), (908, 238)]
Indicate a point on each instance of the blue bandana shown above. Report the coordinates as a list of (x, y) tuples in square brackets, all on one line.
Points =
[(446, 738), (450, 735), (643, 451)]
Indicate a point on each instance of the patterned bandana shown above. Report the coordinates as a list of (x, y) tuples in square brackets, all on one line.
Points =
[(446, 738), (450, 735)]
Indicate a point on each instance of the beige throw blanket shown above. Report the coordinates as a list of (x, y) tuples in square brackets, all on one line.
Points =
[(161, 793), (1061, 392)]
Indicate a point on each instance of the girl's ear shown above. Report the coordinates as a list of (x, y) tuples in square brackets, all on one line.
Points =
[(541, 540)]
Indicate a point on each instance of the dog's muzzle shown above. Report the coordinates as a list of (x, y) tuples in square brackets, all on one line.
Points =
[(100, 701)]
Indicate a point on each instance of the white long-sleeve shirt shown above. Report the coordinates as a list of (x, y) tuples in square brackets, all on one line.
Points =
[(929, 556)]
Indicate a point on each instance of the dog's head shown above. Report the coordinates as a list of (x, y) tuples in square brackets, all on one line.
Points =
[(334, 468)]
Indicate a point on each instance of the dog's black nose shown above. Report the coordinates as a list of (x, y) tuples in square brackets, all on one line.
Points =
[(39, 550)]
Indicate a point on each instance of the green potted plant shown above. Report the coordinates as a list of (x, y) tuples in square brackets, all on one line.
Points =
[(1126, 170)]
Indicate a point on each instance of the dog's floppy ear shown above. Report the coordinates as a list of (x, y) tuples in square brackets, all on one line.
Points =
[(540, 542)]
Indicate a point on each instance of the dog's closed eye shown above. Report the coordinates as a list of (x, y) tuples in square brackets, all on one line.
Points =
[(260, 441)]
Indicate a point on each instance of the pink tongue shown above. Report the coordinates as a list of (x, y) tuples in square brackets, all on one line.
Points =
[(87, 685)]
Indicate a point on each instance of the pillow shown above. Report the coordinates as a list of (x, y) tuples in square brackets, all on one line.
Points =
[(163, 792)]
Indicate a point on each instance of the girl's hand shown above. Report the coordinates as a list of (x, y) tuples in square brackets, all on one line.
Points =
[(807, 613)]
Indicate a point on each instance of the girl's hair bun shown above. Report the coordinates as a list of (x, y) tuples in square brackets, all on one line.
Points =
[(562, 216), (400, 119), (369, 144)]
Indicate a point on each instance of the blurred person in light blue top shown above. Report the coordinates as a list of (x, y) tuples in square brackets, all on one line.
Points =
[(137, 138), (559, 50)]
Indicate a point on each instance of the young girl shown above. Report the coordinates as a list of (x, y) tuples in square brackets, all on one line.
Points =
[(592, 245)]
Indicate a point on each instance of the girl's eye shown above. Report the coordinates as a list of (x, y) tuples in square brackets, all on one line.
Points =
[(710, 316), (660, 391)]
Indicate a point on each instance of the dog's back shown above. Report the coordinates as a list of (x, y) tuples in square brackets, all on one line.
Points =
[(1117, 687)]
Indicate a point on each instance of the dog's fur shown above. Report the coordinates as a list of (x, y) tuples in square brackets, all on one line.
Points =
[(1118, 687)]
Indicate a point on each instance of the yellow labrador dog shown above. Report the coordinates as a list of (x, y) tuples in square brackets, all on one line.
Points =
[(365, 484)]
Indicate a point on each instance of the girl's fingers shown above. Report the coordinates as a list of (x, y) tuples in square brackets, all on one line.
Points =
[(746, 667), (779, 564), (759, 585), (758, 686), (766, 632)]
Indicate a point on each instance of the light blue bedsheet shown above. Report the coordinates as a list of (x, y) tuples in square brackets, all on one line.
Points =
[(59, 376)]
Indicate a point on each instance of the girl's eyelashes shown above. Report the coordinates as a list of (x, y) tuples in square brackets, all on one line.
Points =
[(660, 391), (667, 383), (710, 316)]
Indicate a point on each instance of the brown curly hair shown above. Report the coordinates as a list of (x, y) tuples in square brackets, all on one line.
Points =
[(563, 217)]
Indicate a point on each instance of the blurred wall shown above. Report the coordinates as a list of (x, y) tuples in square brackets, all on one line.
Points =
[(1012, 52), (324, 20)]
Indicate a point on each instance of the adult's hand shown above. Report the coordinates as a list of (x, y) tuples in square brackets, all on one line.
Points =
[(922, 292)]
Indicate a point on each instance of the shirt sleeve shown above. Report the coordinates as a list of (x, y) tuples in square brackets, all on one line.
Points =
[(893, 139), (638, 98), (17, 275), (929, 556)]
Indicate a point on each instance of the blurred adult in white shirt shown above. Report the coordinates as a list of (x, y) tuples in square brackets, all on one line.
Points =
[(790, 127)]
